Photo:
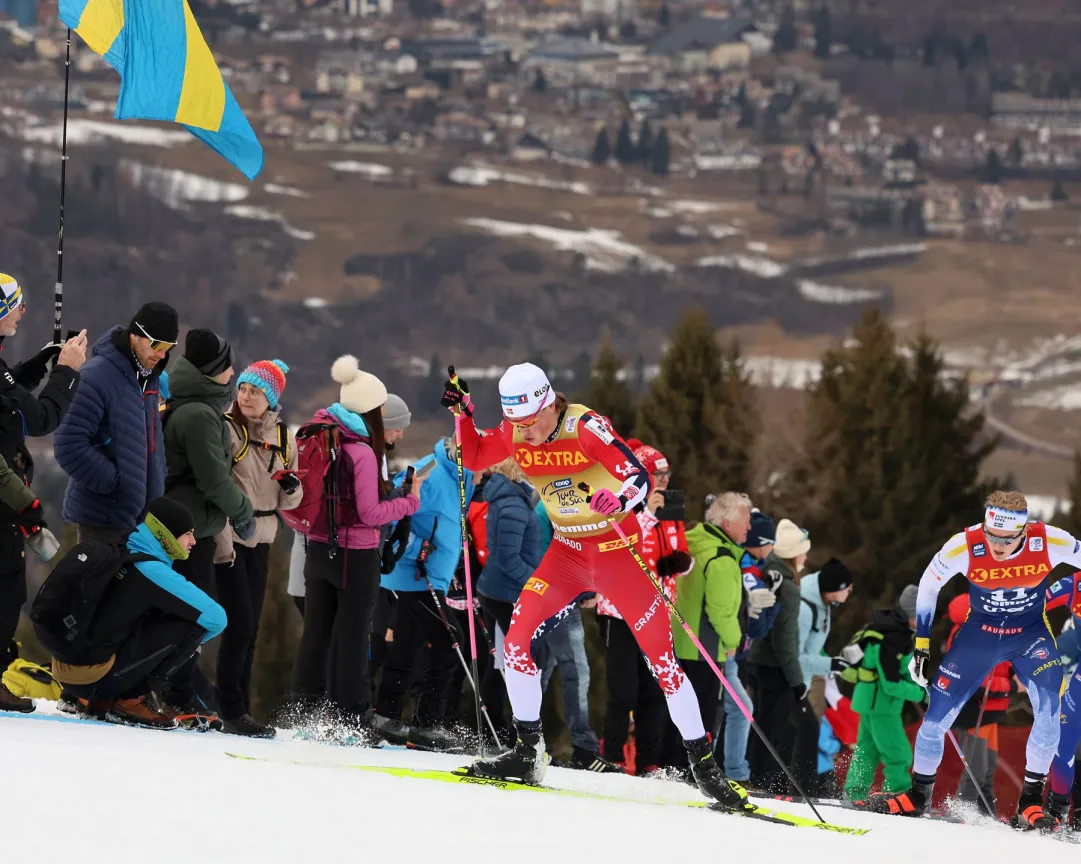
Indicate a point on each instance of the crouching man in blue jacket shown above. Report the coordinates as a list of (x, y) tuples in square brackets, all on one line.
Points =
[(120, 620)]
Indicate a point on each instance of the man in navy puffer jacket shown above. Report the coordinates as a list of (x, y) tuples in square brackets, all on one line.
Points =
[(110, 442)]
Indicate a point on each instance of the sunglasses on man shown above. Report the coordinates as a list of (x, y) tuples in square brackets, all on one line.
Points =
[(155, 344)]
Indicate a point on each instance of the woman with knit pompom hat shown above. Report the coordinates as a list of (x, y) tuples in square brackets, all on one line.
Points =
[(342, 583), (264, 459)]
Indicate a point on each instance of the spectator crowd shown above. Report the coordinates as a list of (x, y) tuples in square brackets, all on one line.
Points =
[(180, 482)]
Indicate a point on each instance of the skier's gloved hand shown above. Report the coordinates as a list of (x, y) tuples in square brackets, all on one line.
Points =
[(456, 396), (759, 600), (606, 502), (917, 666), (31, 519), (245, 529)]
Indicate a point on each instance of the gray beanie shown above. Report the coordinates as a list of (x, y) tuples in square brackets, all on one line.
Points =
[(907, 601), (396, 413)]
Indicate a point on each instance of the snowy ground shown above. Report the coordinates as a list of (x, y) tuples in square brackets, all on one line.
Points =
[(115, 792)]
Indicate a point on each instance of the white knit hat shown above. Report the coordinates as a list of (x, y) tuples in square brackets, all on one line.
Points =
[(524, 391), (792, 541), (361, 391), (11, 295)]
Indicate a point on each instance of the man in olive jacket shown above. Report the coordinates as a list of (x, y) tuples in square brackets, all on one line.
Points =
[(199, 473)]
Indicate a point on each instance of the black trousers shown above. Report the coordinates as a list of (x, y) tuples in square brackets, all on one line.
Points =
[(774, 711), (631, 687), (186, 685), (159, 646), (241, 588), (707, 687), (339, 606), (12, 582), (418, 628)]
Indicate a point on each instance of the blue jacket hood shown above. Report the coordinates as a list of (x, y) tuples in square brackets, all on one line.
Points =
[(499, 486), (438, 520)]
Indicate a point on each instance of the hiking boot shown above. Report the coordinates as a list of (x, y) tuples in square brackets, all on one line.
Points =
[(395, 731), (248, 726), (94, 709), (10, 702), (914, 802), (1030, 810), (583, 760), (436, 739), (709, 777), (523, 763), (68, 704), (137, 712)]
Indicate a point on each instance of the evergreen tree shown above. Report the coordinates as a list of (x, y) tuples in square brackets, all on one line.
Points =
[(645, 144), (1016, 153), (1058, 192), (823, 33), (540, 81), (602, 150), (661, 154), (700, 412), (1071, 519), (786, 37), (992, 172), (625, 149), (891, 459), (664, 17), (605, 393), (978, 49)]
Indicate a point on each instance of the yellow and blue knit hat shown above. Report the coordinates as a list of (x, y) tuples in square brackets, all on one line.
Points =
[(11, 295)]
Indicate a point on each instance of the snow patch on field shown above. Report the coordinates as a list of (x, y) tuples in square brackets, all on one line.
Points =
[(177, 189), (604, 250), (95, 131), (246, 211), (764, 267), (782, 372), (275, 189), (484, 175), (819, 293), (369, 169), (728, 162), (1066, 398)]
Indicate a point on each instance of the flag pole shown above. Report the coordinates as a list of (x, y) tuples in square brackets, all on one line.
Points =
[(58, 297)]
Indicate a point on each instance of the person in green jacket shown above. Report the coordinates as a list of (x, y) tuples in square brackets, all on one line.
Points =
[(199, 472), (709, 597), (883, 685)]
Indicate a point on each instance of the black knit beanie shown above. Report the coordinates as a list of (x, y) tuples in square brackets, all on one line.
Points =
[(156, 321), (208, 352), (167, 520)]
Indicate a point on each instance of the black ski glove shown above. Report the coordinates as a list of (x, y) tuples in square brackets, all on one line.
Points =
[(395, 547), (674, 564), (456, 396), (31, 519)]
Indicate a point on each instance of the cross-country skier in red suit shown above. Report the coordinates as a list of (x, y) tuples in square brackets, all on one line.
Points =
[(560, 446)]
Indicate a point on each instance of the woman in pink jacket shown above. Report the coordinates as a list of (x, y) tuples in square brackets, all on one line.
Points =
[(342, 584)]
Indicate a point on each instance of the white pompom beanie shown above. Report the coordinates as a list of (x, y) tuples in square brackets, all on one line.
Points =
[(361, 391)]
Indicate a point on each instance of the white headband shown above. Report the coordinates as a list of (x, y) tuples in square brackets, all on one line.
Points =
[(1005, 520)]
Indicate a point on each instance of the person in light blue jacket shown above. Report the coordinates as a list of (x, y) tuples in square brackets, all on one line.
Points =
[(420, 619), (819, 593)]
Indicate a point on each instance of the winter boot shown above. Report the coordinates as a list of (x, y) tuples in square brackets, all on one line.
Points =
[(914, 802), (95, 709), (137, 712), (395, 731), (1030, 811), (68, 704), (436, 739), (248, 726), (1058, 807), (709, 777), (583, 760), (10, 702), (523, 763)]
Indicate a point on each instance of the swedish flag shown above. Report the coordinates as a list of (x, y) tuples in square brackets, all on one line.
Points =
[(166, 72)]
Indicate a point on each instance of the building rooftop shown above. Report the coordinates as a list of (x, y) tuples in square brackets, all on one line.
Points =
[(701, 34)]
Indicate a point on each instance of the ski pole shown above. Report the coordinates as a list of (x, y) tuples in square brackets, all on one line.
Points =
[(461, 659), (463, 508), (709, 660), (976, 730)]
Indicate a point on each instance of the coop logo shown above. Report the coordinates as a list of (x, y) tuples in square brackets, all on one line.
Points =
[(650, 612), (979, 575), (529, 458), (979, 550)]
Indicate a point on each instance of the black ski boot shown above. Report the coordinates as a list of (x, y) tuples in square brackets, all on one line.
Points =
[(1030, 812), (1058, 807), (524, 763), (709, 777), (914, 802), (437, 739)]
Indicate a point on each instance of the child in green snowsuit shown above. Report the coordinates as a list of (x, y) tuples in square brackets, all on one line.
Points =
[(883, 685)]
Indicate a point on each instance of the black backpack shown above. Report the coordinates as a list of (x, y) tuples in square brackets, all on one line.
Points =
[(67, 602)]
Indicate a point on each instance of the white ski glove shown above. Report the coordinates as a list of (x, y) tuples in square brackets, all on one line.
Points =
[(759, 599)]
